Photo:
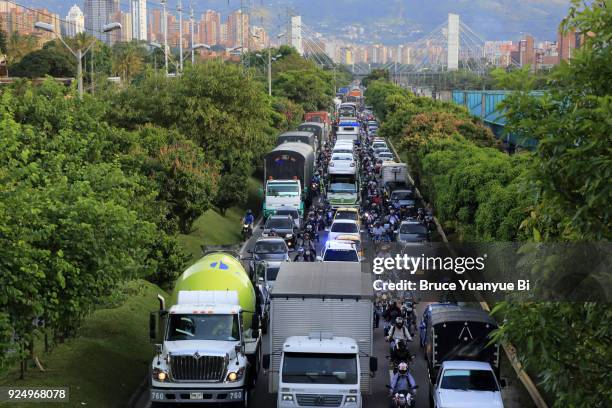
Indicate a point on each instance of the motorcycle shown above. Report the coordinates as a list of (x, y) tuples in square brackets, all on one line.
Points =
[(247, 231), (410, 316), (403, 399)]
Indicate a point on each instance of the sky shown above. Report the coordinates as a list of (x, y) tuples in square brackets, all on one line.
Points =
[(387, 21)]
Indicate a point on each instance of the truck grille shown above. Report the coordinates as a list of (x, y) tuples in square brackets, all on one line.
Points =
[(313, 400), (202, 368)]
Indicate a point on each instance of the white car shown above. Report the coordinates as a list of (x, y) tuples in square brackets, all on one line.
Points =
[(467, 384), (386, 156), (339, 251), (342, 163), (379, 145), (343, 227)]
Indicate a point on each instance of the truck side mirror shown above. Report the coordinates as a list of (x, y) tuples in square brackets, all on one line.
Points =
[(255, 325), (266, 362), (153, 318), (373, 364)]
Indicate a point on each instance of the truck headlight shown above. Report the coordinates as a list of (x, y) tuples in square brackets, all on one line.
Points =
[(159, 374), (351, 399), (287, 397), (234, 376)]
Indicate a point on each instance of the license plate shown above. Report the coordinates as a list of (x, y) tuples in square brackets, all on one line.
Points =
[(196, 396)]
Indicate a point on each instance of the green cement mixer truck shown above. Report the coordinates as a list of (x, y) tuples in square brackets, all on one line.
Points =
[(208, 340)]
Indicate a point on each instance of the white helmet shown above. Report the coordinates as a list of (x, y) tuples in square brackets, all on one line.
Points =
[(402, 368)]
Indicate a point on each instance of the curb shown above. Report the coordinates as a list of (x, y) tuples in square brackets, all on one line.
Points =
[(142, 387)]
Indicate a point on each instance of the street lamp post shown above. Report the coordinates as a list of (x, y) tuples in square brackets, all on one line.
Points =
[(165, 29), (79, 53)]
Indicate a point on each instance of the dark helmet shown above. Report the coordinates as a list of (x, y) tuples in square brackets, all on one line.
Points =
[(401, 344)]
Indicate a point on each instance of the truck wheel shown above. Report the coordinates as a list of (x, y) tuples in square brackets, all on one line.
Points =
[(431, 401)]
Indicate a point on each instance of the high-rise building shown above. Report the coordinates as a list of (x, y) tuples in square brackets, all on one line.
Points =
[(567, 43), (125, 34), (6, 7), (156, 26), (259, 38), (210, 27), (223, 35), (75, 22), (527, 52), (139, 20), (97, 14), (238, 29)]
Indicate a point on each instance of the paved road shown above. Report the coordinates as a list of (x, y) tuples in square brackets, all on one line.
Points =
[(378, 399)]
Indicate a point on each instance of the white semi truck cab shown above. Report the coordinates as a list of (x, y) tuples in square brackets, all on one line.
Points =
[(467, 384), (282, 193), (319, 370), (206, 355)]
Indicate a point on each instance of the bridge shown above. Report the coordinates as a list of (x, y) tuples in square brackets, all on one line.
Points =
[(484, 104)]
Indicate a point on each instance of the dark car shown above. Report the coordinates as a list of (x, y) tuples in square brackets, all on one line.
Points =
[(293, 212), (412, 232), (284, 226), (402, 199), (269, 250)]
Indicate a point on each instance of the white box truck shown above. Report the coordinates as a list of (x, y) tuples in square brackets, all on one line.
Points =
[(321, 333)]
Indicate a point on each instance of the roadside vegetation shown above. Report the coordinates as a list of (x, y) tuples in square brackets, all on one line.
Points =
[(558, 193), (106, 362), (122, 188)]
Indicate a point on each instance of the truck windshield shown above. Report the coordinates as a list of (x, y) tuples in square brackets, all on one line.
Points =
[(287, 190), (203, 327), (319, 368), (342, 188), (472, 380)]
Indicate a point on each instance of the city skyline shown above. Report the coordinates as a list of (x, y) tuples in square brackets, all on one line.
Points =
[(235, 30)]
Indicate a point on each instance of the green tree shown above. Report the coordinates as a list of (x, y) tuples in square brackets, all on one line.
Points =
[(375, 75), (18, 46), (43, 62), (128, 60), (309, 88)]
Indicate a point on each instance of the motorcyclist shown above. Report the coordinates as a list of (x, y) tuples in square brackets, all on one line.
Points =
[(398, 332), (400, 353), (393, 311), (402, 381), (378, 231), (249, 219)]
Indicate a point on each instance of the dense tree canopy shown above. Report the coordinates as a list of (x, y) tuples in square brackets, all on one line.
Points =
[(559, 192)]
